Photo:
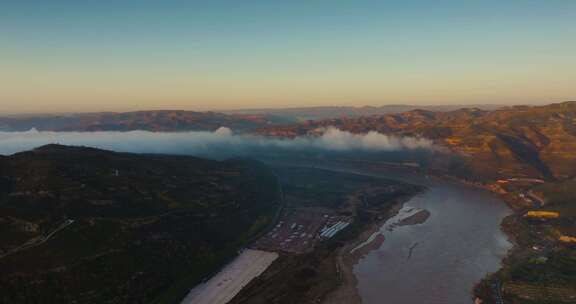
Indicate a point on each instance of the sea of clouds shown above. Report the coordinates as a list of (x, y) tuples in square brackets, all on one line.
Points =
[(220, 143)]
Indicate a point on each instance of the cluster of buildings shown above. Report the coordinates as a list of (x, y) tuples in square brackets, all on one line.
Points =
[(299, 231), (330, 231)]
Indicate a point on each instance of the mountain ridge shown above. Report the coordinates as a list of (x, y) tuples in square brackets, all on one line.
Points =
[(523, 140), (154, 120)]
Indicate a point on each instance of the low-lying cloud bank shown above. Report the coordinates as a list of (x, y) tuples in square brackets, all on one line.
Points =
[(218, 144)]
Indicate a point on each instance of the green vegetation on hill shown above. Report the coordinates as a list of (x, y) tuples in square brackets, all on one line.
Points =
[(90, 226)]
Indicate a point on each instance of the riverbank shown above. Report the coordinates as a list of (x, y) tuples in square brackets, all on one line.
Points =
[(327, 271), (462, 230), (462, 213), (488, 289), (368, 239), (348, 256), (538, 266), (538, 269)]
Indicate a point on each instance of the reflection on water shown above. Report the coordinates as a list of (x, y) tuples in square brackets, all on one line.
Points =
[(437, 261), (440, 260)]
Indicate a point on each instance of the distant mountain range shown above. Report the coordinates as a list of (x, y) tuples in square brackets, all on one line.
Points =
[(91, 226), (315, 113), (534, 141), (179, 120), (165, 120)]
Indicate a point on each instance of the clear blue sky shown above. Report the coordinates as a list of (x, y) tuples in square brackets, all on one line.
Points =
[(119, 55)]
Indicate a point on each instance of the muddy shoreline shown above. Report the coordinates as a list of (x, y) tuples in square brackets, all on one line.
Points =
[(348, 292), (509, 227), (349, 255), (345, 254)]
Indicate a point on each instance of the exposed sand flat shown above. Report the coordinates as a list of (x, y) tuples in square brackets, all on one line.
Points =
[(221, 288)]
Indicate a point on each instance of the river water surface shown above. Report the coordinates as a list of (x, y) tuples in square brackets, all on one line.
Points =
[(440, 260)]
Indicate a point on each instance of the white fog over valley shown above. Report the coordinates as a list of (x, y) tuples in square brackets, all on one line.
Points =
[(223, 142)]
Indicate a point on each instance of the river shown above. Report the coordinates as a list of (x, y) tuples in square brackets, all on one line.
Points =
[(440, 260)]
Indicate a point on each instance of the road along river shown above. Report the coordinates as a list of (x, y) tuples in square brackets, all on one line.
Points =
[(441, 259)]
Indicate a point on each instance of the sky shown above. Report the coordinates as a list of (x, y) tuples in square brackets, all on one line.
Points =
[(119, 55)]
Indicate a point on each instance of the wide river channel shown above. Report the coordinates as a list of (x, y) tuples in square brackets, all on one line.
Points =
[(440, 260)]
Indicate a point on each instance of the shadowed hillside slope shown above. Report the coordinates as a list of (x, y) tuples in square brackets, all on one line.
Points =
[(81, 225), (515, 141)]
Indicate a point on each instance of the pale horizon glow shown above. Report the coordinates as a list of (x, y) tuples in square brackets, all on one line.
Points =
[(125, 55)]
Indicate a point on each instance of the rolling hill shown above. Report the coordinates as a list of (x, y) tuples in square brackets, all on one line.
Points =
[(81, 225), (516, 141)]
